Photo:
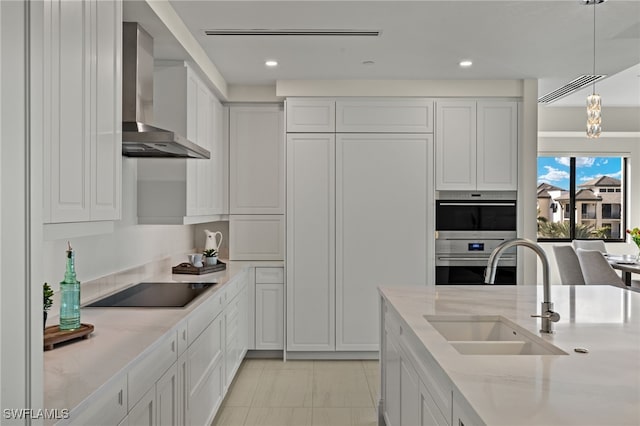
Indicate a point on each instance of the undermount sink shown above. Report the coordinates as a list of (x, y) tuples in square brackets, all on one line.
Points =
[(489, 335)]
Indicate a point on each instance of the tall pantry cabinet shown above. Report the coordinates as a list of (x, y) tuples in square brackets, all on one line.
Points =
[(82, 110), (357, 214)]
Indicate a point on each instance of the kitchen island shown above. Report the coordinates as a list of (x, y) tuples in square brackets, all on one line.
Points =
[(425, 380)]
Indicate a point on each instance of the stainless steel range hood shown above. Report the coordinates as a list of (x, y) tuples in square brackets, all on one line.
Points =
[(140, 139)]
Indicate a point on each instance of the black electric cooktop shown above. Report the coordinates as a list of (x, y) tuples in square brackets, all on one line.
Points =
[(154, 295)]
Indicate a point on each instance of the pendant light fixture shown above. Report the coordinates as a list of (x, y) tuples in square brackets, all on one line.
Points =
[(594, 103)]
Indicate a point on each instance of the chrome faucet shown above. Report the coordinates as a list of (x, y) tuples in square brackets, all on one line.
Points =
[(548, 316)]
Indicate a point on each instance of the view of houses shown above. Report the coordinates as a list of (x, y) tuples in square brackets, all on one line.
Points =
[(598, 207)]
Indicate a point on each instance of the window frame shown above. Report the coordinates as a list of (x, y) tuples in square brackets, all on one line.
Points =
[(572, 196)]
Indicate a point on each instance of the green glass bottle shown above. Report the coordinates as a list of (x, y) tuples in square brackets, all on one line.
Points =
[(70, 295)]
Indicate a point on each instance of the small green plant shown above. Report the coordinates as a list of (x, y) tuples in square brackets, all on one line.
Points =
[(48, 297), (210, 252)]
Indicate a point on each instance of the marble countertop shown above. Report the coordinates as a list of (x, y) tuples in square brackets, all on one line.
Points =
[(72, 372), (601, 387)]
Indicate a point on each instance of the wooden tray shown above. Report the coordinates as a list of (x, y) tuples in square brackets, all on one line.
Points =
[(53, 335), (187, 268)]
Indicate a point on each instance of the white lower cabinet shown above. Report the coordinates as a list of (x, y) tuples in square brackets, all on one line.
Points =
[(269, 316), (391, 389), (109, 407), (183, 379), (144, 412), (206, 365), (430, 414), (414, 390), (168, 397), (236, 331), (269, 308)]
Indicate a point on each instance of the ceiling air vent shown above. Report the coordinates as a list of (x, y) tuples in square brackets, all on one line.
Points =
[(569, 88), (267, 32)]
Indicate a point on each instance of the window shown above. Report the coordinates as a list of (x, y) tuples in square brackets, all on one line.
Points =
[(581, 198)]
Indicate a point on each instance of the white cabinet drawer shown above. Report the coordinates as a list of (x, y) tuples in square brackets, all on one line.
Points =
[(205, 352), (205, 314), (144, 374), (270, 275), (108, 408)]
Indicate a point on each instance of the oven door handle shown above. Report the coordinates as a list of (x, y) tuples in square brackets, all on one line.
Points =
[(477, 259), (478, 204)]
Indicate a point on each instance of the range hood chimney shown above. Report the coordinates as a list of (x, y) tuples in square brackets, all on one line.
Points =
[(139, 139)]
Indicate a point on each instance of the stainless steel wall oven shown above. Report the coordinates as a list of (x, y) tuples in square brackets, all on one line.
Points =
[(467, 232)]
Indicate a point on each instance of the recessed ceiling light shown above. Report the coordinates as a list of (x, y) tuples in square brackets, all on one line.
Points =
[(271, 63), (466, 63)]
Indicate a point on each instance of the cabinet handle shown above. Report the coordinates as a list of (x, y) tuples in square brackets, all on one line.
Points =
[(184, 335), (173, 346), (120, 397)]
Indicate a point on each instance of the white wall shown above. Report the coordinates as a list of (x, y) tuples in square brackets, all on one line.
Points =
[(129, 245)]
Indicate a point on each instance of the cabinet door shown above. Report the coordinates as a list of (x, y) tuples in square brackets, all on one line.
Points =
[(456, 145), (311, 115), (144, 412), (192, 135), (203, 183), (206, 373), (497, 146), (183, 390), (106, 141), (168, 398), (430, 414), (256, 144), (410, 402), (385, 116), (269, 316), (219, 158), (256, 237), (68, 152), (310, 242), (377, 177), (206, 398), (391, 391)]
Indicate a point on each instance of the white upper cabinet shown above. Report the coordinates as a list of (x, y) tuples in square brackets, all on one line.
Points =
[(184, 191), (311, 116), (456, 145), (497, 150), (385, 116), (256, 157), (82, 110), (477, 145)]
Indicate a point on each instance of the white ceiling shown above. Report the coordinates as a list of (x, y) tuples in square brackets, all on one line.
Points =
[(548, 40)]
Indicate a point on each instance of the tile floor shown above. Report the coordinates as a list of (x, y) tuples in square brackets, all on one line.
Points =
[(302, 393)]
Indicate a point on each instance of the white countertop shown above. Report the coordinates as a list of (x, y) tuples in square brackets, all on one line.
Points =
[(74, 371), (598, 388)]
